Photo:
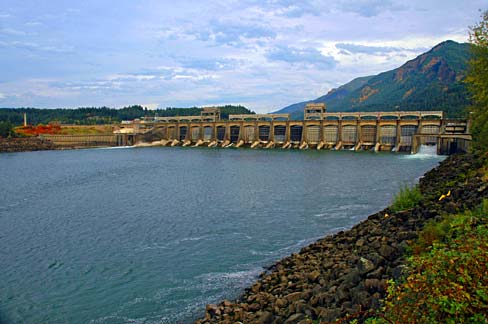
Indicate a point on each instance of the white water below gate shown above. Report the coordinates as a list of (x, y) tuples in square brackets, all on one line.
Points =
[(425, 152)]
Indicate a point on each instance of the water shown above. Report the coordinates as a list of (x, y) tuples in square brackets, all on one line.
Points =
[(425, 152), (151, 235)]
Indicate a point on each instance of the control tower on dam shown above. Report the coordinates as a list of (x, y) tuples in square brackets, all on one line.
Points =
[(397, 131)]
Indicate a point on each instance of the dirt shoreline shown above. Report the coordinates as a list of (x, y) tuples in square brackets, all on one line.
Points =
[(347, 273)]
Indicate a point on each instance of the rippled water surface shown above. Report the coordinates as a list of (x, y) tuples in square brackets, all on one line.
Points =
[(151, 235)]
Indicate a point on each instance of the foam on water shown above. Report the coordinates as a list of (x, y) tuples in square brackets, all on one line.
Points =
[(114, 147), (426, 152), (224, 277)]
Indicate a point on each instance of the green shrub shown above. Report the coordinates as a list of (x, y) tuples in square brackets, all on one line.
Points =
[(406, 198), (433, 232), (6, 129), (448, 280)]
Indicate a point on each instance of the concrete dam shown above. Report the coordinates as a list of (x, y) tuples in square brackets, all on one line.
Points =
[(399, 131)]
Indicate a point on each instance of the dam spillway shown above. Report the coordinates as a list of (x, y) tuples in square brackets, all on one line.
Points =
[(379, 131)]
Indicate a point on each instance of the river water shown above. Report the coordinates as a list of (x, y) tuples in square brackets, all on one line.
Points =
[(151, 235)]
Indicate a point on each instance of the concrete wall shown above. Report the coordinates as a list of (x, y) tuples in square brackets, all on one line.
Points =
[(82, 140)]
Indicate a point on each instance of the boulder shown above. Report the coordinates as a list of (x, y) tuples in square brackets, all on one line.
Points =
[(313, 276), (387, 251), (264, 318), (293, 297), (295, 318), (365, 265)]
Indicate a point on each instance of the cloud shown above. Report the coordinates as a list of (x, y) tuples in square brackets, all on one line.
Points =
[(132, 77), (13, 32), (31, 92), (4, 16), (307, 56), (166, 73), (210, 64), (151, 106), (142, 81), (288, 8), (194, 77), (110, 83), (232, 33), (33, 24), (32, 46), (219, 32), (94, 85), (365, 49), (369, 8), (2, 96)]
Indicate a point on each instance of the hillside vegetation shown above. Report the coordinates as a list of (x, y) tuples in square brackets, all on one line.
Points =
[(447, 280)]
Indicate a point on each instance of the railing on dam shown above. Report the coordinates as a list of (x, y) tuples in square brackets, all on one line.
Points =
[(382, 115)]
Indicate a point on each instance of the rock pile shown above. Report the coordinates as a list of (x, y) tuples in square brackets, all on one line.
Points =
[(25, 144), (347, 273)]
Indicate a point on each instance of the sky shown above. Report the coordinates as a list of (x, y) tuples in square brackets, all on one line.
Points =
[(261, 54)]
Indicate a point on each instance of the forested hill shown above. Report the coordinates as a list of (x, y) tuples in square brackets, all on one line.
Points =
[(432, 81), (103, 115)]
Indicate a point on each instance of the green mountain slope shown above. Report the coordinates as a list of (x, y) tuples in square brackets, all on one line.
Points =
[(432, 81)]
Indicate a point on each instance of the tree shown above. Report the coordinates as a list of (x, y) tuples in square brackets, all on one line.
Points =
[(477, 80), (6, 129)]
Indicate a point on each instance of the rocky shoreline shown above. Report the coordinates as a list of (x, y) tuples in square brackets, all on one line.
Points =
[(8, 145), (28, 144), (346, 274)]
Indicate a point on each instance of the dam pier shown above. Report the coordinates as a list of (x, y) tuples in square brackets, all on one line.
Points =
[(397, 131)]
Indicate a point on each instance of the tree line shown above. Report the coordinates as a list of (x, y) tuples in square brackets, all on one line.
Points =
[(102, 115)]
